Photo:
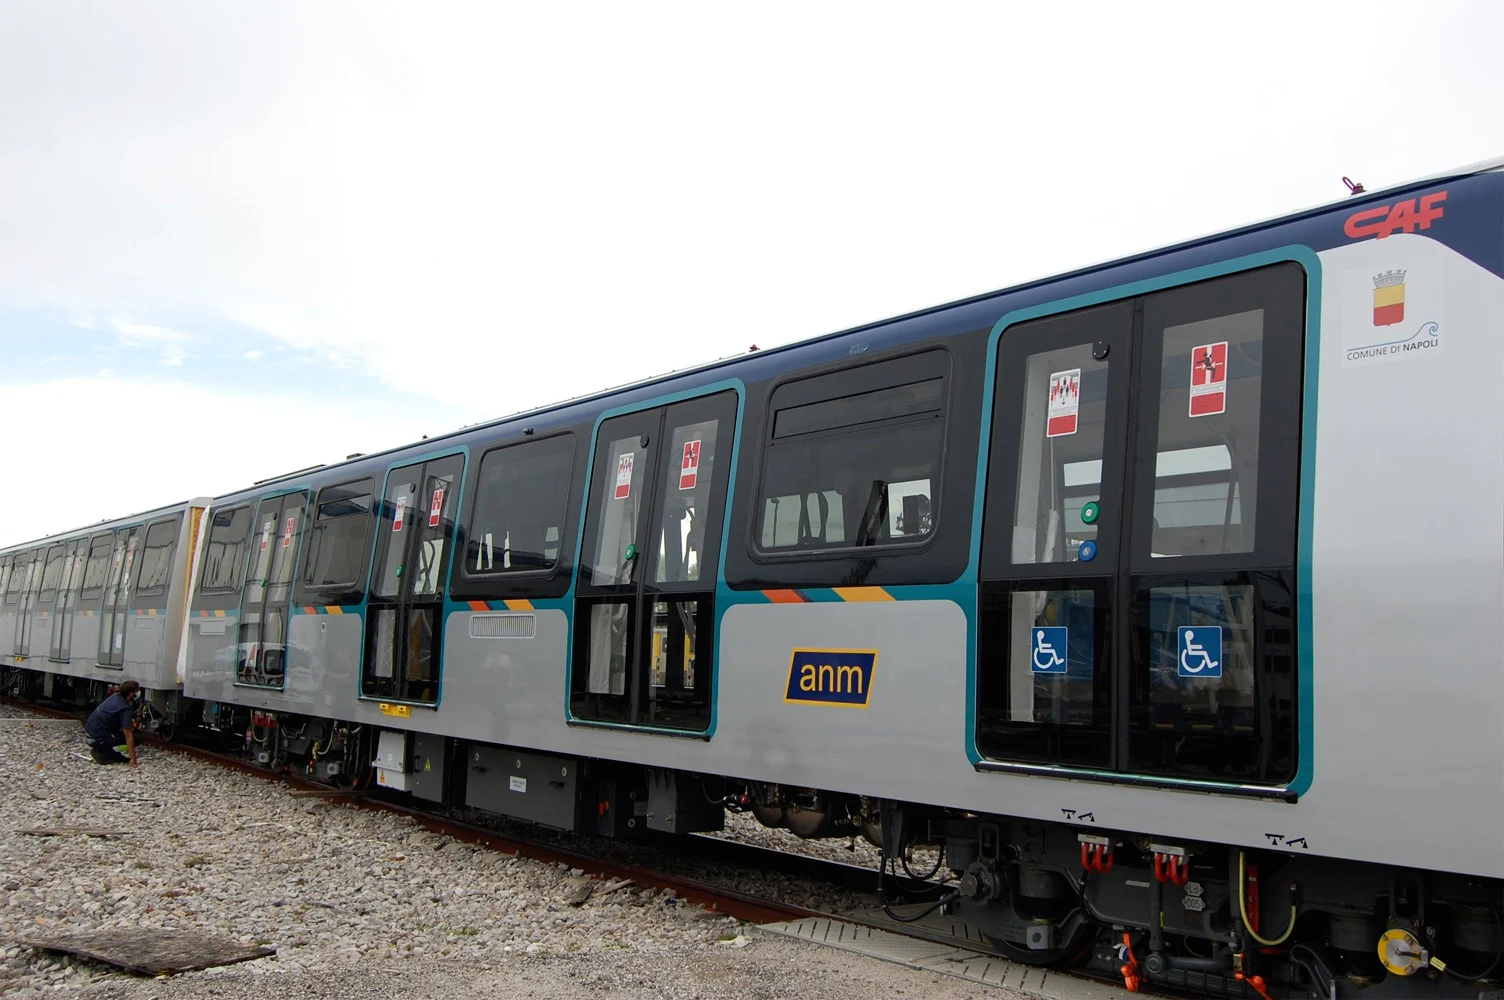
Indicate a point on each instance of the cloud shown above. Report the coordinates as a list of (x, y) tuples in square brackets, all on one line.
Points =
[(568, 206), (252, 355)]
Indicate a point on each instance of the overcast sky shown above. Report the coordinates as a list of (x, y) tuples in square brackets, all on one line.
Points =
[(237, 239)]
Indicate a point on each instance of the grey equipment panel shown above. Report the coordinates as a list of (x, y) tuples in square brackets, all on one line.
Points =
[(429, 766), (531, 786)]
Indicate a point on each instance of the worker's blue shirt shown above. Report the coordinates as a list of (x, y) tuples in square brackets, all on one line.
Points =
[(111, 717)]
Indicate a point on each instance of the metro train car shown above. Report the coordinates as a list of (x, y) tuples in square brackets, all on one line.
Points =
[(96, 606), (1162, 597)]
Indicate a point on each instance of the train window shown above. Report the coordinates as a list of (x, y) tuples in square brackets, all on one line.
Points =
[(1206, 463), (4, 575), (225, 552), (17, 582), (521, 502), (1050, 698), (854, 458), (1064, 416), (97, 568), (52, 575), (156, 560), (339, 544)]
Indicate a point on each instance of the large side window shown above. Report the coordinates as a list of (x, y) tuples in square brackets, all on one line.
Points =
[(521, 504), (225, 552), (339, 546), (853, 458), (156, 563)]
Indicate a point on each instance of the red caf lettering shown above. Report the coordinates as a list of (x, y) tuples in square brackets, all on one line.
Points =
[(1386, 220)]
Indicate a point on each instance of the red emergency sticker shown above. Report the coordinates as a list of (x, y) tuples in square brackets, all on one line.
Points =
[(436, 507), (689, 465), (287, 532), (1209, 379), (397, 518)]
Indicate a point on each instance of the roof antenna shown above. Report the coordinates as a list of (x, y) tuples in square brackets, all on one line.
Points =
[(1352, 188), (752, 348)]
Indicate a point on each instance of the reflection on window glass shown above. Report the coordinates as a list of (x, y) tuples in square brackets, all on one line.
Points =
[(98, 564), (1206, 467), (337, 549), (870, 485), (1051, 650), (225, 555), (156, 559), (610, 625), (1060, 453), (52, 575), (621, 492), (521, 501), (1191, 698), (681, 513)]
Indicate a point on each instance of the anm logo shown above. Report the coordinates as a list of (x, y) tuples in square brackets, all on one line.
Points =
[(831, 676)]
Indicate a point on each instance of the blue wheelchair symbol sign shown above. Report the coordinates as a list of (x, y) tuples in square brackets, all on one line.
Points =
[(1200, 651), (1049, 647)]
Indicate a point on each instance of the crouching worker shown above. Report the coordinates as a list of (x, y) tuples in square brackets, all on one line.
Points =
[(112, 724)]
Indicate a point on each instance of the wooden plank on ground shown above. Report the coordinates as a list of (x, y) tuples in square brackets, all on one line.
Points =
[(151, 952)]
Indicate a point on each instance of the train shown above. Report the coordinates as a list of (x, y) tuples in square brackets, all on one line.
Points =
[(1163, 598)]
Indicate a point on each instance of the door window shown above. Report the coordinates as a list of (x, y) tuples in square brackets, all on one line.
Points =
[(645, 641), (1046, 656), (1137, 616), (117, 597), (266, 599), (225, 552), (403, 655)]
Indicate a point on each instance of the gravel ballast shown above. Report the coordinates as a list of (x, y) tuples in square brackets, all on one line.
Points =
[(357, 903)]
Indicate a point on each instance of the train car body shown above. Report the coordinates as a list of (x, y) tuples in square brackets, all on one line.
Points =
[(103, 604), (1107, 584)]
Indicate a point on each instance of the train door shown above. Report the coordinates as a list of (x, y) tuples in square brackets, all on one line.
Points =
[(645, 590), (1137, 585), (5, 616), (61, 647), (266, 597), (405, 611), (31, 586), (47, 598), (114, 608)]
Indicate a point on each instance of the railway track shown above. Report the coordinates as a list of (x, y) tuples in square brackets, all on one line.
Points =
[(819, 926)]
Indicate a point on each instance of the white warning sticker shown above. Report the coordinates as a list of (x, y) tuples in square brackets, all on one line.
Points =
[(401, 510), (624, 476), (1065, 403)]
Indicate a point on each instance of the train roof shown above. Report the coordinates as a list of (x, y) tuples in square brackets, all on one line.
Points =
[(108, 524)]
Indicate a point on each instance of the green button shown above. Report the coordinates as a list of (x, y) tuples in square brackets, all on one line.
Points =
[(1090, 513), (631, 552)]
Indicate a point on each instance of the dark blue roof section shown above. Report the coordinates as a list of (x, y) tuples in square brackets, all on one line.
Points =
[(1471, 221)]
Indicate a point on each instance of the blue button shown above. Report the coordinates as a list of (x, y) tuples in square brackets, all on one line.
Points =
[(1087, 551)]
